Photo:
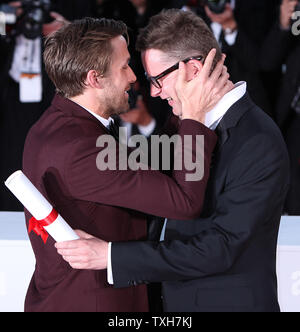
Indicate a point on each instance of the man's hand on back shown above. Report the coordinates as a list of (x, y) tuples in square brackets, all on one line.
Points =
[(87, 253)]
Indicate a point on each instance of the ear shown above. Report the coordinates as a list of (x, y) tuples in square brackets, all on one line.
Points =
[(194, 68), (94, 79)]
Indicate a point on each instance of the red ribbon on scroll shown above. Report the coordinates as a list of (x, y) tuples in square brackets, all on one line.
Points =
[(38, 225)]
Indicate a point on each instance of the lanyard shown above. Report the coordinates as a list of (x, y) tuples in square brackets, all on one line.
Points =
[(31, 57)]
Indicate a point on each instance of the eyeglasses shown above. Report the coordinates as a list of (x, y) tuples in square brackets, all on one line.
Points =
[(154, 79)]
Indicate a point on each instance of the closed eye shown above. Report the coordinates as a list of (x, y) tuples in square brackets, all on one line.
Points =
[(126, 65)]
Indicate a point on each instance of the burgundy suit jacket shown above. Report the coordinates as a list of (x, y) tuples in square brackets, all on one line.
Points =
[(60, 159)]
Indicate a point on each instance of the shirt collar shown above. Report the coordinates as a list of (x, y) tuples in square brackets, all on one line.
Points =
[(214, 117), (105, 122)]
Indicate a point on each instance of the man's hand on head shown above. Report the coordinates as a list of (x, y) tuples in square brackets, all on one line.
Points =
[(58, 22), (201, 94)]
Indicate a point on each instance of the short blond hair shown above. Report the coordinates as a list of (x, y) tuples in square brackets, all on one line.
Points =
[(80, 46)]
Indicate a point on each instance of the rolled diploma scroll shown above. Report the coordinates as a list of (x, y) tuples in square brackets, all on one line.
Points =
[(38, 206)]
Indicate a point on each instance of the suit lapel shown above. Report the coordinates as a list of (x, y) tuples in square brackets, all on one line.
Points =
[(223, 154), (225, 147), (69, 108), (222, 134), (231, 118)]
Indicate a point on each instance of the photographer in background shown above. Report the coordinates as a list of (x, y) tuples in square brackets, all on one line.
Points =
[(136, 14), (26, 89), (281, 50), (240, 27), (139, 120)]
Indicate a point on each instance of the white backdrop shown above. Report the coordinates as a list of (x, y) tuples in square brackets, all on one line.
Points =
[(17, 263)]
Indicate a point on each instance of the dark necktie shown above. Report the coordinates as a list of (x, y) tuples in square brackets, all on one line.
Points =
[(222, 42), (114, 130)]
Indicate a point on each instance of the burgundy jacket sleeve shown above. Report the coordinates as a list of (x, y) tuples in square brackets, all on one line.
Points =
[(147, 191)]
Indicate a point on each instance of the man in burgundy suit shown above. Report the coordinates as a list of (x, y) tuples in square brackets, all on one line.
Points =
[(88, 62)]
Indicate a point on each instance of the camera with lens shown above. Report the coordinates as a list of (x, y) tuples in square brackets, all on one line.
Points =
[(216, 6), (34, 14)]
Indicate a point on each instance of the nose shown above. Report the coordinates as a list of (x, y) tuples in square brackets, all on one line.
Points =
[(154, 91), (132, 77)]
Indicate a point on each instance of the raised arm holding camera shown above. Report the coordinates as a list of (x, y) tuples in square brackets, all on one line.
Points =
[(26, 89), (241, 40)]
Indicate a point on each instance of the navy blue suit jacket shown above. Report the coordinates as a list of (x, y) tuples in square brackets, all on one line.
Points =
[(226, 259)]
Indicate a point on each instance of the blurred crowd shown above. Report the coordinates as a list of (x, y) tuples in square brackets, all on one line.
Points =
[(261, 39)]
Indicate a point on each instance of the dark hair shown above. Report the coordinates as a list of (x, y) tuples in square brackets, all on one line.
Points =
[(80, 46), (179, 34)]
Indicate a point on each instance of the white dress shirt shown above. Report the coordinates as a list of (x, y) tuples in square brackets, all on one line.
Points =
[(212, 120), (105, 122), (214, 117)]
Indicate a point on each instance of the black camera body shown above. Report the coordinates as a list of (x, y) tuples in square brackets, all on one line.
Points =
[(35, 14), (217, 6)]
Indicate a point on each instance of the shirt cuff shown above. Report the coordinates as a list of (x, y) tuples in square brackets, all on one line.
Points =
[(110, 279)]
